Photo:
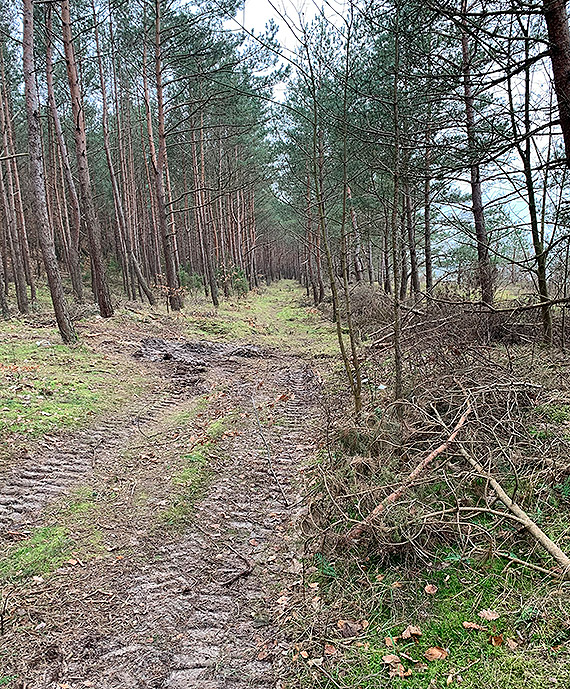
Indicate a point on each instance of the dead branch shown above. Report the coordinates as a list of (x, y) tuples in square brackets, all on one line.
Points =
[(537, 533), (358, 529)]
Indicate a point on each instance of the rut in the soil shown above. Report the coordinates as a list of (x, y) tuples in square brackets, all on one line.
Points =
[(199, 614), (60, 461), (225, 631), (210, 618)]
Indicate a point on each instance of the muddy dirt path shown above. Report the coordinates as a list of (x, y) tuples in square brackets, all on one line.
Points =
[(190, 610)]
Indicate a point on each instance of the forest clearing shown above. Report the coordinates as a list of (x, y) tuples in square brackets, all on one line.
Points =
[(284, 370)]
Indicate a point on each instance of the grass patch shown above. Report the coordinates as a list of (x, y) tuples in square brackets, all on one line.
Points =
[(45, 386), (82, 501), (184, 417), (43, 552), (554, 413), (528, 645), (189, 483), (277, 316)]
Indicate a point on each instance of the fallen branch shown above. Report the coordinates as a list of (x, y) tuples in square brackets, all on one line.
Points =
[(358, 529), (536, 532)]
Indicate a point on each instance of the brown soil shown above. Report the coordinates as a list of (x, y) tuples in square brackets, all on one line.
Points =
[(189, 609)]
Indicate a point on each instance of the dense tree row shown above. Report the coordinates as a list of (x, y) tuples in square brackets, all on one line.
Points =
[(419, 146), (425, 145), (145, 135)]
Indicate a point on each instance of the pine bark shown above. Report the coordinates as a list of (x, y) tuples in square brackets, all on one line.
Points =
[(74, 260), (483, 261), (556, 18), (37, 182), (167, 232), (99, 277)]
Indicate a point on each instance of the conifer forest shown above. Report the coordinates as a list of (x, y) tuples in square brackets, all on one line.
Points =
[(284, 344)]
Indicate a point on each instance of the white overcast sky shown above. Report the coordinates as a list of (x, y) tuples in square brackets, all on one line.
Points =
[(257, 13)]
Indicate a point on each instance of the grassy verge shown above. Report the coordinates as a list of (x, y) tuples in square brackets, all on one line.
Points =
[(278, 317), (468, 624), (46, 386), (70, 537), (145, 489)]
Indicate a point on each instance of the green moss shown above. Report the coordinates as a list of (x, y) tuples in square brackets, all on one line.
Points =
[(276, 316), (46, 386), (44, 551)]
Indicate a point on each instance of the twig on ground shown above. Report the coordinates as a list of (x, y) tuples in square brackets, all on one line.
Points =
[(358, 529), (533, 529), (244, 572)]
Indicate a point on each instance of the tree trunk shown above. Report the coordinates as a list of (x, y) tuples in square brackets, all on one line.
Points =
[(117, 197), (166, 232), (13, 245), (358, 267), (99, 277), (484, 264), (427, 221), (37, 181), (556, 18), (525, 153), (74, 261), (412, 243)]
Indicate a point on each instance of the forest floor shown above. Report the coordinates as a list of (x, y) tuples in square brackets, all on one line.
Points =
[(147, 546), (167, 489)]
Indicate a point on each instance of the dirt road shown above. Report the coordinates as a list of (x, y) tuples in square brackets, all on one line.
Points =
[(153, 606)]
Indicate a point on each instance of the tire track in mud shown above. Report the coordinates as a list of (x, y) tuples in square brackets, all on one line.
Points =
[(58, 462), (212, 628), (192, 615)]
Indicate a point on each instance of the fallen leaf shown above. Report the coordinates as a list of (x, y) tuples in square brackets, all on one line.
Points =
[(496, 640), (330, 650), (489, 615), (262, 655), (390, 659), (410, 631), (379, 577), (430, 589), (399, 670), (253, 542), (304, 654), (390, 641), (316, 602), (436, 653), (472, 625), (397, 585), (512, 644), (351, 627)]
